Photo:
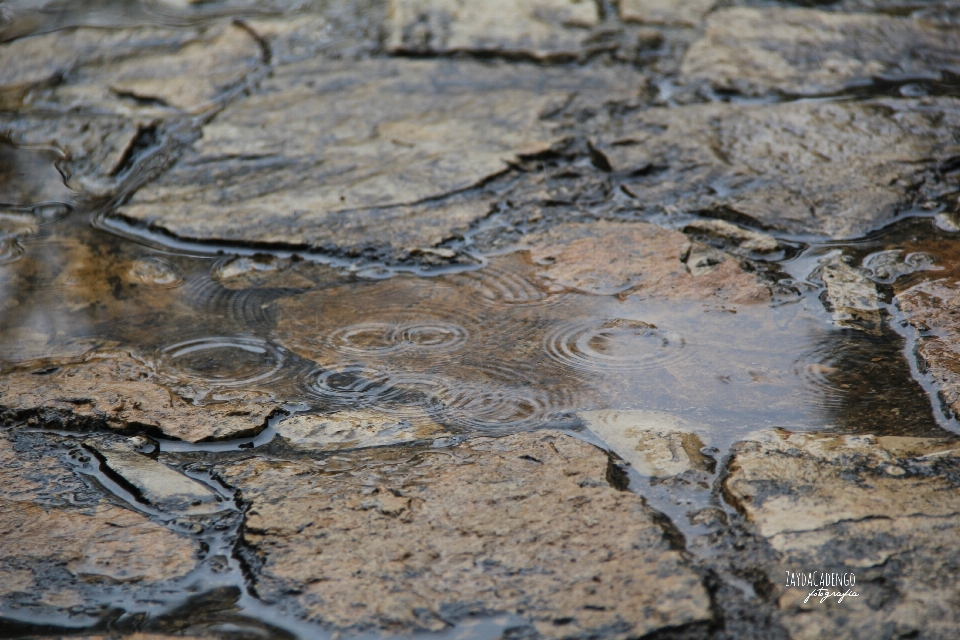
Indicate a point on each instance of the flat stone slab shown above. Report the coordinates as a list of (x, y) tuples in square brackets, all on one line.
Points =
[(354, 429), (685, 13), (806, 51), (836, 169), (354, 154), (541, 29), (64, 545), (525, 524), (123, 393), (885, 509)]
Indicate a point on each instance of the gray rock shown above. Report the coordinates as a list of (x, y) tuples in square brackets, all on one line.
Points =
[(687, 13), (852, 295), (354, 429), (805, 51), (524, 524)]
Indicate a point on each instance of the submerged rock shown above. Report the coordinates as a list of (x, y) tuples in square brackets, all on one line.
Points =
[(156, 483), (354, 154), (525, 524), (607, 258), (656, 444), (542, 29), (885, 509), (354, 429), (835, 169), (806, 51), (121, 392), (64, 547)]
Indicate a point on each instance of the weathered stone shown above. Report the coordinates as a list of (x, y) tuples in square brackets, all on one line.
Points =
[(838, 169), (542, 29), (852, 296), (354, 429), (883, 508), (352, 154), (656, 444), (63, 544), (525, 524), (805, 51), (606, 258), (155, 482), (745, 239), (29, 177), (687, 13), (121, 392)]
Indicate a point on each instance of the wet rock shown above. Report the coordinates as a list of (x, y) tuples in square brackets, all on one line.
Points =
[(930, 308), (123, 70), (355, 154), (806, 51), (123, 393), (656, 444), (881, 508), (852, 296), (156, 483), (354, 429), (744, 239), (64, 546), (259, 270), (29, 177), (606, 258), (524, 524), (837, 169), (542, 29), (687, 13), (889, 265)]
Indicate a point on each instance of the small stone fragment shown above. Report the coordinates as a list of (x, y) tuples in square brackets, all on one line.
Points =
[(122, 393), (542, 29), (358, 428), (746, 239), (607, 258), (686, 13), (157, 483), (656, 444), (830, 503), (852, 295), (524, 524), (806, 51)]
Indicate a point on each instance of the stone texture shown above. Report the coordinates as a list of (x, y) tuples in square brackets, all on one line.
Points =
[(656, 444), (155, 482), (806, 51), (353, 154), (837, 169), (120, 392), (687, 13), (356, 429), (852, 296), (62, 545), (884, 508), (525, 524), (542, 29), (743, 239), (638, 258)]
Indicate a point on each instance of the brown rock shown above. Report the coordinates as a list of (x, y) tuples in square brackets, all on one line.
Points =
[(606, 258), (687, 13), (123, 393), (542, 29), (744, 239), (882, 508), (62, 543), (837, 169), (805, 51), (852, 296), (352, 154), (524, 524), (354, 429)]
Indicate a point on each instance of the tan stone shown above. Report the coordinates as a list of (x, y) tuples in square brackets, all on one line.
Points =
[(882, 508), (61, 540), (542, 28), (353, 429), (525, 524), (655, 443), (837, 169), (687, 13), (607, 258), (745, 239), (352, 154), (852, 296), (805, 51), (123, 393)]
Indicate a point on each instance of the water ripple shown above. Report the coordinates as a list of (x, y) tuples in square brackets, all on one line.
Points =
[(223, 361), (614, 344)]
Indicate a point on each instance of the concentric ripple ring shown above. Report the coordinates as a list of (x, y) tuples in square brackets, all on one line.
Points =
[(613, 344)]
